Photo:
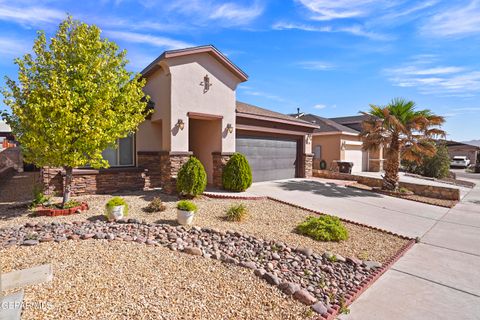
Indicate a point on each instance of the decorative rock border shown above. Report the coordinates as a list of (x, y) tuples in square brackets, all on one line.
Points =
[(215, 195), (322, 281), (52, 212)]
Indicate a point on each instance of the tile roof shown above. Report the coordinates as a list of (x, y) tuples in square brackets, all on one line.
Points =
[(327, 125), (246, 108)]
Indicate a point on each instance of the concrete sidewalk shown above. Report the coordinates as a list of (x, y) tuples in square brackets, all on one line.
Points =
[(438, 278)]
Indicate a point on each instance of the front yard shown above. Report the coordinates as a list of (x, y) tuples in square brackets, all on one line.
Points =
[(126, 270)]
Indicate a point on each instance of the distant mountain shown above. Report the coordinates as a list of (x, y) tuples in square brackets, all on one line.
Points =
[(473, 142)]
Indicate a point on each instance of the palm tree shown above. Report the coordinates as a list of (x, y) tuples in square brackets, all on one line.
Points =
[(404, 132)]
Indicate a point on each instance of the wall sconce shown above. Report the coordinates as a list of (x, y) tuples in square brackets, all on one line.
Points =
[(308, 138), (229, 128), (180, 124)]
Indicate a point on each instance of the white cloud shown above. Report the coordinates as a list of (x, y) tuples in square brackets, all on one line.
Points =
[(256, 93), (339, 9), (30, 15), (356, 30), (315, 65), (320, 106), (438, 80), (454, 21), (12, 47), (156, 41), (234, 14)]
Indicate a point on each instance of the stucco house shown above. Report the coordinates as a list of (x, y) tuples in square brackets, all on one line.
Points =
[(463, 149), (338, 139), (193, 94)]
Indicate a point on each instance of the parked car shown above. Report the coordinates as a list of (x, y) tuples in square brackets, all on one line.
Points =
[(460, 161)]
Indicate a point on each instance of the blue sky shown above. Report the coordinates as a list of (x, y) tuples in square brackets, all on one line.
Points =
[(331, 58)]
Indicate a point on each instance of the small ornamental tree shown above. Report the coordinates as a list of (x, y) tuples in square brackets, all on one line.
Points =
[(73, 99), (192, 178), (237, 174)]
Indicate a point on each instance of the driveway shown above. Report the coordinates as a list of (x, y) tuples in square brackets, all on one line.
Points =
[(439, 278)]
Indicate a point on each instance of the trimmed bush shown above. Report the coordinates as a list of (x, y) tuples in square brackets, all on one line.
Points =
[(192, 178), (156, 205), (237, 212), (186, 205), (323, 228), (237, 174)]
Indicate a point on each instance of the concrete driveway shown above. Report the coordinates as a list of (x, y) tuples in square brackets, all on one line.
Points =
[(439, 278)]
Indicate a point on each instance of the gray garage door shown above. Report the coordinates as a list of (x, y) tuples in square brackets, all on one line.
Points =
[(270, 159)]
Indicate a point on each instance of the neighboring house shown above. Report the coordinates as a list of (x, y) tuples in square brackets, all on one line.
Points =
[(463, 149), (196, 113), (5, 134), (338, 139)]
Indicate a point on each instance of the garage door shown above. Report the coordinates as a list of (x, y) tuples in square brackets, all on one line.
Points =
[(270, 159), (354, 154)]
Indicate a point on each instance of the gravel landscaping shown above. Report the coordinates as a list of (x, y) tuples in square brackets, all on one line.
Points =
[(96, 279), (301, 272)]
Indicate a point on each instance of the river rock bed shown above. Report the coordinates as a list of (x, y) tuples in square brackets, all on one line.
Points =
[(320, 280)]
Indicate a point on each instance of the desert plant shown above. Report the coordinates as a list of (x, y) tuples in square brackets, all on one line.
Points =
[(437, 166), (237, 174), (192, 178), (323, 228), (117, 201), (405, 133), (237, 212), (403, 190), (156, 205), (186, 205)]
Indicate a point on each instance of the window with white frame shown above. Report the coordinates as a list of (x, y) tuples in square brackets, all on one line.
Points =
[(317, 152), (123, 155)]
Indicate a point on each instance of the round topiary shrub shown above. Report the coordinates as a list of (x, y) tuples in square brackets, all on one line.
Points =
[(237, 174), (192, 178)]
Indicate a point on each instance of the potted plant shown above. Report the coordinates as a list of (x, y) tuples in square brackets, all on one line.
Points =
[(116, 208), (185, 212)]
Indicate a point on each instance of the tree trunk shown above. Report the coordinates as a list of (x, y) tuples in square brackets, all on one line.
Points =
[(68, 185), (392, 165)]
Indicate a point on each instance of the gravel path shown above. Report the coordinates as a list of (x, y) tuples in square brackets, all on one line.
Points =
[(267, 219), (94, 279)]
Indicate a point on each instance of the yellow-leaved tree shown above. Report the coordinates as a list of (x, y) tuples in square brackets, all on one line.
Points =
[(73, 99)]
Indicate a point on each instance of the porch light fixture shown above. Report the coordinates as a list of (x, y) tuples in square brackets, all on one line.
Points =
[(308, 138), (180, 124), (230, 128)]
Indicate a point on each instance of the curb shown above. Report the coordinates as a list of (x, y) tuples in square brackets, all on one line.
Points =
[(226, 196), (356, 292)]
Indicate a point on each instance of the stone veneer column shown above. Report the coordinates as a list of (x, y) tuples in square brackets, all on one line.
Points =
[(170, 164), (151, 160), (307, 165), (220, 159)]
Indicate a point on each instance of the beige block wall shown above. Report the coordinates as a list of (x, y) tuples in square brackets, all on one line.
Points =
[(205, 138), (187, 95)]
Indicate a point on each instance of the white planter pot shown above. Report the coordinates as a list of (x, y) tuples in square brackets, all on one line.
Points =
[(115, 213), (185, 218)]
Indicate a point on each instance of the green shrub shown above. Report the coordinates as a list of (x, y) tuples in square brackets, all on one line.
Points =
[(403, 190), (237, 174), (192, 178), (186, 205), (156, 205), (237, 212), (323, 228), (117, 201), (39, 198), (437, 166)]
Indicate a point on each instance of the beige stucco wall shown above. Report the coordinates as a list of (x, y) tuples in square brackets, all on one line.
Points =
[(205, 138), (188, 95), (149, 136), (330, 149), (158, 88)]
